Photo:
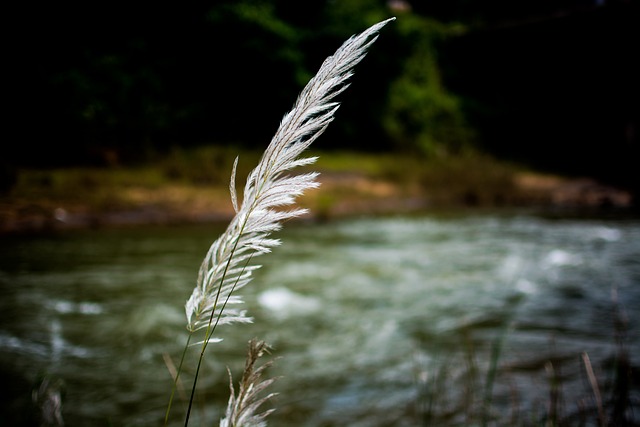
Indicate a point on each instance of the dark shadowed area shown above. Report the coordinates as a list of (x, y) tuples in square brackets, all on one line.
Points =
[(551, 84)]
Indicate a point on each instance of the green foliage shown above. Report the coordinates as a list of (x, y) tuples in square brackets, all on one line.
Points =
[(470, 178), (206, 165), (421, 113), (255, 32), (133, 83)]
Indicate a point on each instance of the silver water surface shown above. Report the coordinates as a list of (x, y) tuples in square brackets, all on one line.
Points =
[(362, 315)]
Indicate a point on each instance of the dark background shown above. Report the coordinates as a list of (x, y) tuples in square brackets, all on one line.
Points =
[(552, 84)]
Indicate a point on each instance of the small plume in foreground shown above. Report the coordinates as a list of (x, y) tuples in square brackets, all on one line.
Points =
[(241, 410)]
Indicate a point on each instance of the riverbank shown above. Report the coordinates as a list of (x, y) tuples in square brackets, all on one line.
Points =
[(177, 191)]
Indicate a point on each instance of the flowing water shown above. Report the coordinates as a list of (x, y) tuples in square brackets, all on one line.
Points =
[(373, 322)]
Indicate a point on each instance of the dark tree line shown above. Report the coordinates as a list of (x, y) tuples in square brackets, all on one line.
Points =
[(553, 82), (558, 91)]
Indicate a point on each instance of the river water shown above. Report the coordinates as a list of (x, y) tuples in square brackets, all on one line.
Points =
[(372, 322)]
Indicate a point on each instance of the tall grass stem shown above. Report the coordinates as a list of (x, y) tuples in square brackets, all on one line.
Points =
[(225, 268)]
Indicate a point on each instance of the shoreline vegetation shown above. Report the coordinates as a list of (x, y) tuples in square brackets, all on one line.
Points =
[(189, 187)]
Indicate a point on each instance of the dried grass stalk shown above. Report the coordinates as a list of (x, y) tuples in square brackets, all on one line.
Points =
[(242, 408)]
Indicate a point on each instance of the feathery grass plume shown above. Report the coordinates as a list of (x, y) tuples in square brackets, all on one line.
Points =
[(225, 269), (241, 410)]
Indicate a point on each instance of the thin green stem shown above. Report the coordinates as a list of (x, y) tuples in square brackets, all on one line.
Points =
[(175, 381), (208, 337), (211, 329), (209, 332)]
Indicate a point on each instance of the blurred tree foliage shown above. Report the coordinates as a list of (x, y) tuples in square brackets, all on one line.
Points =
[(106, 83), (421, 113)]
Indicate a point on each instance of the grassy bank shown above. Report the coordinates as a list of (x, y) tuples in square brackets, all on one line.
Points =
[(192, 186)]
